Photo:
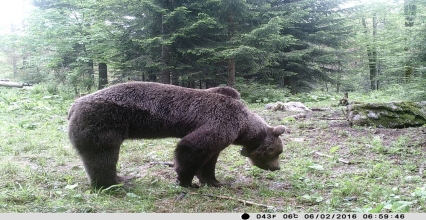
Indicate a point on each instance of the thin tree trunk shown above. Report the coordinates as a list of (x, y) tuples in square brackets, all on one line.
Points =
[(231, 72), (14, 57), (165, 72), (410, 11), (91, 71), (15, 65), (165, 53), (231, 61), (339, 77), (103, 75), (372, 54), (191, 83), (175, 78)]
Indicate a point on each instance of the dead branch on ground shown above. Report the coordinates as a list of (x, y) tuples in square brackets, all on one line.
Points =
[(332, 119), (325, 155), (11, 84), (169, 164), (245, 202)]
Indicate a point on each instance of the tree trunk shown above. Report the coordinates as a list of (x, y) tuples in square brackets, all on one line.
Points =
[(165, 55), (231, 61), (165, 72), (290, 83), (410, 11), (372, 58), (103, 75), (175, 78), (15, 65), (339, 77), (408, 73), (410, 14), (231, 72), (191, 84), (372, 54), (14, 57), (91, 71)]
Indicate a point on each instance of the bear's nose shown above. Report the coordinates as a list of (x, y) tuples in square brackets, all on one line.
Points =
[(274, 168)]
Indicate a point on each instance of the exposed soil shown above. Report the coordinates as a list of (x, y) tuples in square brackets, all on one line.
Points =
[(322, 129), (328, 127)]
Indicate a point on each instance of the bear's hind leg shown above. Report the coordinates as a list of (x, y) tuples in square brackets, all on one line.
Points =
[(206, 174), (101, 168)]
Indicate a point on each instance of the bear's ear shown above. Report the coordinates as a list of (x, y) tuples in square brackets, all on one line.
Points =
[(277, 131)]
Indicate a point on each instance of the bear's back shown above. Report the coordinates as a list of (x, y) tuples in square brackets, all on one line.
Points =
[(159, 109)]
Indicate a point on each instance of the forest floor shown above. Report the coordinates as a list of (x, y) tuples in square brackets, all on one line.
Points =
[(329, 125), (327, 166), (325, 136)]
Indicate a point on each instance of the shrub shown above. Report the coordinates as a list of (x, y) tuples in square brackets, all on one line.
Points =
[(258, 93)]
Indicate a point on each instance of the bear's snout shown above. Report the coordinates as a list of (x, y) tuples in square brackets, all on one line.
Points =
[(274, 168), (271, 166), (274, 165)]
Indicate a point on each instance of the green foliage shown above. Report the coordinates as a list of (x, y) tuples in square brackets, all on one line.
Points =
[(273, 43), (297, 44), (258, 93), (314, 97)]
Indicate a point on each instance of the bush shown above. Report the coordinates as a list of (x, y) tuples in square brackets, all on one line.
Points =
[(258, 93), (314, 97)]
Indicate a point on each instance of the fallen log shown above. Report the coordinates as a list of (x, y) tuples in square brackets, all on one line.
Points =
[(11, 84)]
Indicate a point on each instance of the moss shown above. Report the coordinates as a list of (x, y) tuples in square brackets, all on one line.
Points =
[(388, 115)]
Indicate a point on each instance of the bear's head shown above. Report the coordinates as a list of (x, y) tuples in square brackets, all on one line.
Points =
[(266, 155)]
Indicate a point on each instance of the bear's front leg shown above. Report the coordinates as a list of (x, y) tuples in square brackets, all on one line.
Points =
[(206, 174), (192, 153), (188, 159)]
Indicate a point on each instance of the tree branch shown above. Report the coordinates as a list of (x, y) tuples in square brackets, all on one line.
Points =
[(245, 202), (325, 155)]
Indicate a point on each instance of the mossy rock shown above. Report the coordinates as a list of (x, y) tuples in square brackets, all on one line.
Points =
[(388, 115)]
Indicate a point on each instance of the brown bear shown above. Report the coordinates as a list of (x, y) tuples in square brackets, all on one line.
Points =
[(207, 121), (229, 91)]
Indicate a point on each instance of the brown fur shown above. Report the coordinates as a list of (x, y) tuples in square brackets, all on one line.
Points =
[(206, 121), (228, 91)]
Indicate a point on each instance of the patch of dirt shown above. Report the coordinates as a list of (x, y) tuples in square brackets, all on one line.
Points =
[(323, 129), (336, 123)]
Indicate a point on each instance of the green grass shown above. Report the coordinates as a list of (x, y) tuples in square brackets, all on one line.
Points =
[(41, 172)]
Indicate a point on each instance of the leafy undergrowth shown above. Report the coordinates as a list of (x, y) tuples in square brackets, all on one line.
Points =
[(369, 169)]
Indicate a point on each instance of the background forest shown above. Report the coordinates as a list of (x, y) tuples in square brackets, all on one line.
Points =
[(291, 45)]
